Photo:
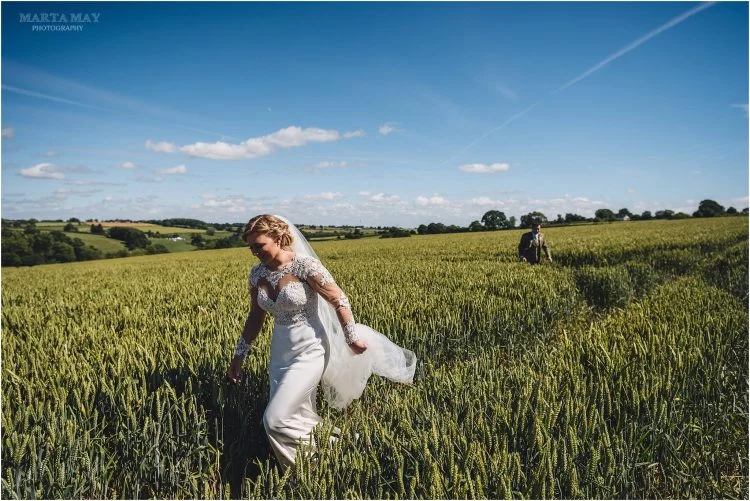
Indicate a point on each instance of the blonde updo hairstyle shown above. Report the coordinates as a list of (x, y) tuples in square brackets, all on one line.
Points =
[(272, 226)]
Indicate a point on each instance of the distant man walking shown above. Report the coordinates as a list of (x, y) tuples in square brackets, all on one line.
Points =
[(532, 243)]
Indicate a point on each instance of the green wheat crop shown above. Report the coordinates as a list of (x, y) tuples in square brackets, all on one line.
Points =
[(619, 372)]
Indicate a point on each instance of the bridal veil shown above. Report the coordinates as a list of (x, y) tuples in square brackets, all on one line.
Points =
[(346, 373)]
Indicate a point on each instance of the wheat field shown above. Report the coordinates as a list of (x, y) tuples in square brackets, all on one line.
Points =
[(621, 371)]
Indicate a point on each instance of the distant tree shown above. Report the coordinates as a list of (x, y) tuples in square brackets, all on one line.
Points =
[(180, 223), (30, 228), (231, 241), (85, 252), (664, 214), (560, 219), (680, 215), (646, 215), (604, 215), (197, 240), (512, 222), (573, 218), (16, 249), (395, 232), (117, 253), (133, 238), (435, 228), (357, 233), (623, 213), (74, 220), (41, 243), (731, 210), (533, 217), (70, 227), (746, 210), (156, 249), (97, 229), (709, 208), (422, 229), (210, 231), (494, 220), (62, 252), (476, 226)]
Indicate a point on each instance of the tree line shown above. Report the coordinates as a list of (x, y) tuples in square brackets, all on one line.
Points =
[(26, 245), (497, 220)]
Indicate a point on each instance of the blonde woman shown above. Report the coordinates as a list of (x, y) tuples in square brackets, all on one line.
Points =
[(315, 337)]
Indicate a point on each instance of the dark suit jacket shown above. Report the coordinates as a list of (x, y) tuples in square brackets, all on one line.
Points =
[(531, 250)]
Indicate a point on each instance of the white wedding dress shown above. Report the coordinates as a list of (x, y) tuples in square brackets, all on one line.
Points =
[(308, 346)]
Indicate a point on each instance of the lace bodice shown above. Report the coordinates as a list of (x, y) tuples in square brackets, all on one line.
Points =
[(285, 293)]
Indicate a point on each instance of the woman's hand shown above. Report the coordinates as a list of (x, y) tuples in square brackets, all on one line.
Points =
[(234, 373), (358, 347)]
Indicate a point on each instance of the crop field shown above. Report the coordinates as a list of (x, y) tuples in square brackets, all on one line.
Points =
[(100, 242), (621, 371)]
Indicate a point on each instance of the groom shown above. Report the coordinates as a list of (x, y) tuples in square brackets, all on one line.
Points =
[(532, 243)]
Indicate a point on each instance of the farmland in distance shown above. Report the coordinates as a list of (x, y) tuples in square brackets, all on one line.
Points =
[(619, 371)]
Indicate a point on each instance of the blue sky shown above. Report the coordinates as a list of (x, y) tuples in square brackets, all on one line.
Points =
[(372, 113)]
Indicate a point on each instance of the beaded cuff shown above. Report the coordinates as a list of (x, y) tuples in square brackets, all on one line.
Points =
[(242, 348), (350, 333)]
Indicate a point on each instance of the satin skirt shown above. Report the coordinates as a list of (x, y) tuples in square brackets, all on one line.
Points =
[(298, 358)]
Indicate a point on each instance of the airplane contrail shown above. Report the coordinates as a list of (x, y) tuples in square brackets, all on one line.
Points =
[(677, 20), (49, 98), (483, 136), (669, 24)]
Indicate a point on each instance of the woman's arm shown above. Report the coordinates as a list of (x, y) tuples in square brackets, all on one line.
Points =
[(322, 282), (253, 325)]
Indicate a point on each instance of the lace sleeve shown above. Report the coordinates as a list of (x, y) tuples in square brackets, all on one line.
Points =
[(312, 269), (321, 280), (255, 274)]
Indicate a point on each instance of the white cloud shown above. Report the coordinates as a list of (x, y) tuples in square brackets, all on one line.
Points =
[(433, 200), (327, 195), (378, 197), (64, 192), (225, 151), (232, 205), (354, 133), (387, 128), (485, 168), (179, 169), (45, 171), (8, 132), (291, 137), (149, 179), (81, 182), (738, 203), (486, 202), (128, 166), (162, 147), (328, 165), (51, 153)]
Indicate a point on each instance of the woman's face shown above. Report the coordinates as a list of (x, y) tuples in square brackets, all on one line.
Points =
[(263, 247)]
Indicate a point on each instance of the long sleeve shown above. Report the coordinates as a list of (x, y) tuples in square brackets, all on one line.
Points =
[(322, 282)]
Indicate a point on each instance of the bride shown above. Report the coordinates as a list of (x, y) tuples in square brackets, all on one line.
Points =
[(312, 341)]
